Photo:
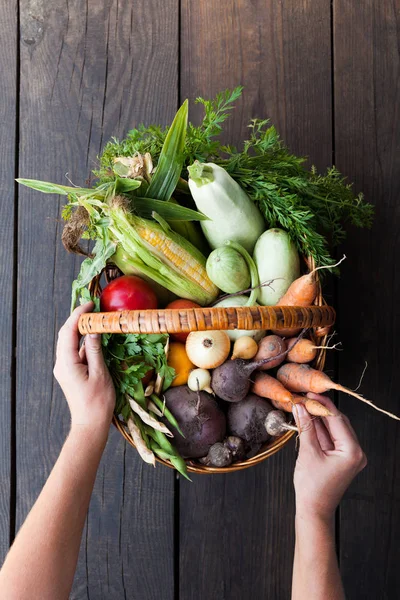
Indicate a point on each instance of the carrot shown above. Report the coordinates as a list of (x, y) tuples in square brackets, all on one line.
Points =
[(268, 387), (287, 406), (269, 347), (302, 378), (305, 350), (304, 290), (315, 408)]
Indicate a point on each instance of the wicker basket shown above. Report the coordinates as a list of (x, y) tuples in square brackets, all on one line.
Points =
[(319, 318)]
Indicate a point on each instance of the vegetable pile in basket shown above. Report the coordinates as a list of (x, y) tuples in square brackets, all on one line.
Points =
[(185, 221)]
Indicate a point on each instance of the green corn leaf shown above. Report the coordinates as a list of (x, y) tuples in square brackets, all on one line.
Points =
[(170, 163), (123, 186), (174, 212), (54, 188)]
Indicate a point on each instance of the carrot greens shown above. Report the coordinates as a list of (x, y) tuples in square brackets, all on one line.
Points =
[(314, 208)]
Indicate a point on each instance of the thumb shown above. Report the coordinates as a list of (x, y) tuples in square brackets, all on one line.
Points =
[(306, 425), (94, 353)]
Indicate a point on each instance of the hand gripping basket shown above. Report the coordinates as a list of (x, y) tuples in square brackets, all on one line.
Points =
[(318, 318)]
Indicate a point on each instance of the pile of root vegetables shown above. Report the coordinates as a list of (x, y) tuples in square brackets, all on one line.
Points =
[(241, 395)]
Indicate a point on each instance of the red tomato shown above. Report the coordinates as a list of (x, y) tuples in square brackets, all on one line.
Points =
[(127, 293), (181, 337)]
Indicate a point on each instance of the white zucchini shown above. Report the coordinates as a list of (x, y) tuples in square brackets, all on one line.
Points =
[(232, 215), (276, 258)]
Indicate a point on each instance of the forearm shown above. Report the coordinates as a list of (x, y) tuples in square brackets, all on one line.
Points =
[(315, 571), (42, 561)]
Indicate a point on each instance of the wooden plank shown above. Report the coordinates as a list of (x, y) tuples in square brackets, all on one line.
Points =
[(88, 70), (8, 113), (239, 527), (367, 139)]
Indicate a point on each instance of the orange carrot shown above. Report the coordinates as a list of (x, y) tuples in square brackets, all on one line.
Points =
[(268, 387), (304, 351), (304, 290), (302, 378), (269, 347), (287, 406), (316, 409)]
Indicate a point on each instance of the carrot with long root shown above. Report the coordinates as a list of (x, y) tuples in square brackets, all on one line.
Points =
[(305, 350), (304, 290), (302, 378), (268, 387)]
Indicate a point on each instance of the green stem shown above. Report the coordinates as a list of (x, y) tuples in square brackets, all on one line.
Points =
[(166, 445), (255, 280), (166, 412)]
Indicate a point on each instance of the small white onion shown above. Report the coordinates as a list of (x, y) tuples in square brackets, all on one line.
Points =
[(200, 379), (208, 349)]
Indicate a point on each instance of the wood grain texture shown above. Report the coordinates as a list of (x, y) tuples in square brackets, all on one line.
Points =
[(88, 71), (367, 137), (8, 114), (236, 530)]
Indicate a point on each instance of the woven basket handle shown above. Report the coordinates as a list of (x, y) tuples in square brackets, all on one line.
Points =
[(206, 319)]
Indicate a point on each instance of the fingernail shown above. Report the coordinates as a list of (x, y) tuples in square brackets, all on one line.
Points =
[(300, 409), (94, 336)]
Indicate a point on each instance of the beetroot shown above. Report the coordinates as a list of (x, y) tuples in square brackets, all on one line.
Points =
[(246, 419), (202, 421)]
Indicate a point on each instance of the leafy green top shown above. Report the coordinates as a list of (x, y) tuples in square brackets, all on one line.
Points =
[(312, 207)]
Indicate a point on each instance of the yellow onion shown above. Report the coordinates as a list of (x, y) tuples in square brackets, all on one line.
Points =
[(245, 347), (208, 349)]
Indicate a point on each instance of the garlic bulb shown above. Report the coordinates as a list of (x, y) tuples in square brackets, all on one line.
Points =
[(200, 379), (208, 349), (245, 347)]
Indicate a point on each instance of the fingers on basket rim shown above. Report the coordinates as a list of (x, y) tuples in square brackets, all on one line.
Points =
[(69, 336)]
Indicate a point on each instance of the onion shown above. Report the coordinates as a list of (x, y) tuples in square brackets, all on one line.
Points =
[(200, 379), (208, 349), (245, 347)]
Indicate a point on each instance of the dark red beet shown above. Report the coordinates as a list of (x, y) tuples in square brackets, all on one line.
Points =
[(200, 418), (246, 419)]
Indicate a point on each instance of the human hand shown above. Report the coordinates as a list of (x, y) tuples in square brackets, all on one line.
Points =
[(329, 458), (84, 377)]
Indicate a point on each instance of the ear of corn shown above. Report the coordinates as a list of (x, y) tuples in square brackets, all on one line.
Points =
[(163, 255)]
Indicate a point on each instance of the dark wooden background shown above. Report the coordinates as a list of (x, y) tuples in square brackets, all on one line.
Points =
[(75, 73)]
